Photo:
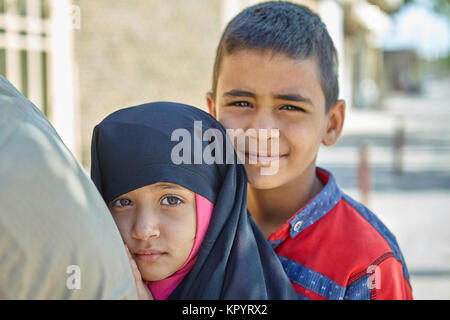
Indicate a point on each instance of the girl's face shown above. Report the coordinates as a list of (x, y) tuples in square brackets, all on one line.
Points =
[(158, 223)]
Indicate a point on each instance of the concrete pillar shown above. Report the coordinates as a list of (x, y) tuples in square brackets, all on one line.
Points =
[(12, 23), (61, 60), (332, 15), (230, 8), (34, 48)]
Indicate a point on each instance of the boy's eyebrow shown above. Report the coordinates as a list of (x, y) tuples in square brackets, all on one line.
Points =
[(288, 96), (239, 93), (294, 97)]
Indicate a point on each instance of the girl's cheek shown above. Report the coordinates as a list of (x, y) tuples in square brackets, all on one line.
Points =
[(123, 226)]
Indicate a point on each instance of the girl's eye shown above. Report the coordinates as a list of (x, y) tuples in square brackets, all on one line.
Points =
[(292, 108), (171, 201), (120, 203)]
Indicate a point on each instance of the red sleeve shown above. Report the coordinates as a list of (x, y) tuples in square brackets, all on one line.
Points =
[(388, 282)]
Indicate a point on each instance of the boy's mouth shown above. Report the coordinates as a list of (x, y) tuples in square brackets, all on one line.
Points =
[(255, 158)]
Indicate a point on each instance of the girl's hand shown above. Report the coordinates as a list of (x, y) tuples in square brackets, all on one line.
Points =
[(142, 289)]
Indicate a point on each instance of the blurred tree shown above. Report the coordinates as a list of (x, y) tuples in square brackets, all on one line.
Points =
[(442, 6)]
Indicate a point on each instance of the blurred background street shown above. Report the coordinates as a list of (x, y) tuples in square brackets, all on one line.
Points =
[(80, 60), (414, 203)]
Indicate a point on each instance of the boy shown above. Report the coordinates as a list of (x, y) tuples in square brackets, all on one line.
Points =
[(276, 68)]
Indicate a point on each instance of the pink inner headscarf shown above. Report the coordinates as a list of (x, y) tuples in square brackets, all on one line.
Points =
[(161, 289)]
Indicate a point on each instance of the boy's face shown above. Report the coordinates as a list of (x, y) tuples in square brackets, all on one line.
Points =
[(263, 91), (158, 224)]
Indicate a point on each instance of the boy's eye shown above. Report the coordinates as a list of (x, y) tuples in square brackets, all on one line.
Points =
[(171, 201), (292, 108), (120, 203), (240, 104)]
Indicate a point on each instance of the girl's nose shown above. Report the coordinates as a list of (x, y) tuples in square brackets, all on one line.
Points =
[(145, 226)]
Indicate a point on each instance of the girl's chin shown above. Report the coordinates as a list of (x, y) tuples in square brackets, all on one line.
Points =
[(153, 277), (151, 273)]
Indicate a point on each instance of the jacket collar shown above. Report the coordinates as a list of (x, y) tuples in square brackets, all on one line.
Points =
[(320, 205)]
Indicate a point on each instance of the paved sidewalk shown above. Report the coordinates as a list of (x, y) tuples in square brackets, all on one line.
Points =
[(414, 205)]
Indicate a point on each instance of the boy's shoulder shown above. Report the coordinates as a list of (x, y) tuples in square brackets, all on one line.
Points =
[(351, 232), (367, 223), (348, 220), (353, 226), (333, 246), (340, 231), (361, 228)]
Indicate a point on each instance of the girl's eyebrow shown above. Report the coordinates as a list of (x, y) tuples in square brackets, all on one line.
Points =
[(168, 186), (162, 186)]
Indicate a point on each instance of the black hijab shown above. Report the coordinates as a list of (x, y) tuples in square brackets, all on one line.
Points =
[(133, 147)]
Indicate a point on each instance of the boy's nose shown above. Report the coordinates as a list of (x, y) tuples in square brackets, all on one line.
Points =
[(264, 127), (263, 120), (145, 227)]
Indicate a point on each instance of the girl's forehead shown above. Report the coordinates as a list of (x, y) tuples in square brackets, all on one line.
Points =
[(161, 186)]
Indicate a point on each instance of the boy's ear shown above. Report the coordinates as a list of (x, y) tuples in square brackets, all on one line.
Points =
[(211, 105), (336, 117)]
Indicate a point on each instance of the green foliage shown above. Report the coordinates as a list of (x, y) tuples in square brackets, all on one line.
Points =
[(442, 6)]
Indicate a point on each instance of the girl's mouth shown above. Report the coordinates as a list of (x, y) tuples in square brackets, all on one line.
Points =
[(149, 255)]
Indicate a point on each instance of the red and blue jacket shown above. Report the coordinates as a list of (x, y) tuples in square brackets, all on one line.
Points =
[(335, 248)]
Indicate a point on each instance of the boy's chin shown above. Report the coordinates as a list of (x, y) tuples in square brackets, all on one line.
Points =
[(263, 182)]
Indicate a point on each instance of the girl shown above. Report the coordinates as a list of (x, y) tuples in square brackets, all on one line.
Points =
[(186, 225)]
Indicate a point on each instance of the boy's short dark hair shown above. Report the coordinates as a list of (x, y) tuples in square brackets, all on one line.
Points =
[(283, 27)]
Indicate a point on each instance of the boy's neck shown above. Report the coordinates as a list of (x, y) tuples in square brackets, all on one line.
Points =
[(271, 208)]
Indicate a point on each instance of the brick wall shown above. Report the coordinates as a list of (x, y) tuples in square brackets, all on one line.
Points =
[(135, 51)]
